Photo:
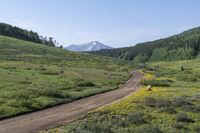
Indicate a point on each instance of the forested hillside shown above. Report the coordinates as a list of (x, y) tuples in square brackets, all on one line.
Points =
[(178, 47), (16, 32)]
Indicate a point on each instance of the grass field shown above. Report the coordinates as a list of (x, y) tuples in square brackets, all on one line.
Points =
[(172, 106), (34, 76)]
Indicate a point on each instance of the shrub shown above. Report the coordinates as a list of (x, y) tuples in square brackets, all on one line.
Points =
[(182, 68), (181, 101), (164, 103), (96, 127), (147, 129), (122, 123), (79, 89), (8, 67), (51, 72), (26, 81), (65, 95), (137, 118), (2, 100), (160, 83), (179, 126), (197, 129), (197, 109), (182, 117), (86, 83), (151, 102), (187, 78), (169, 110)]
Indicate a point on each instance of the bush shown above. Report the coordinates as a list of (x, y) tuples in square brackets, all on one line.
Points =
[(182, 117), (187, 78), (151, 102), (164, 103), (147, 129), (182, 68), (160, 83), (197, 129), (96, 127), (26, 81), (2, 100), (137, 118), (169, 110), (197, 109), (181, 101), (51, 72), (179, 126), (86, 83)]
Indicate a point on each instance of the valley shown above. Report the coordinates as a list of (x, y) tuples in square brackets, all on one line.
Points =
[(35, 76), (144, 79), (172, 106), (58, 115)]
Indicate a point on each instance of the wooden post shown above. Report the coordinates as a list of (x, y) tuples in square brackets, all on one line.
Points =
[(149, 88)]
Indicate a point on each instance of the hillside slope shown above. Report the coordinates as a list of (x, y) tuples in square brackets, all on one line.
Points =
[(178, 47), (19, 33), (35, 76)]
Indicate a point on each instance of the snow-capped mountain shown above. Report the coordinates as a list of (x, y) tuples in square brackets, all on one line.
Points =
[(91, 46)]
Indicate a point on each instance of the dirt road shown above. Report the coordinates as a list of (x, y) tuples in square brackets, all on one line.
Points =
[(57, 115)]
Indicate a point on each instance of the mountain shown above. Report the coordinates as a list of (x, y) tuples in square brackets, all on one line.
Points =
[(91, 46), (185, 45)]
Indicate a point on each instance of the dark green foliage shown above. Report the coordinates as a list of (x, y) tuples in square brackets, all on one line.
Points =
[(51, 72), (163, 103), (151, 102), (187, 78), (16, 32), (182, 117), (197, 129), (178, 47), (137, 118), (169, 110), (86, 83), (186, 104), (182, 68), (179, 126), (161, 83), (147, 129), (181, 101)]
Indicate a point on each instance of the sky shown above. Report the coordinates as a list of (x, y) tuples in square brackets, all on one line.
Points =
[(117, 23)]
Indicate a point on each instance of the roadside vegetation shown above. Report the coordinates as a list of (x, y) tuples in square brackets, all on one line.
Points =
[(172, 106), (35, 76)]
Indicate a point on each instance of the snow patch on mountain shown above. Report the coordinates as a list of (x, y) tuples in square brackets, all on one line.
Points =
[(91, 46)]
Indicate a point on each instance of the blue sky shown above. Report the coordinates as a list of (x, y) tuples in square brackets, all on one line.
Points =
[(117, 23)]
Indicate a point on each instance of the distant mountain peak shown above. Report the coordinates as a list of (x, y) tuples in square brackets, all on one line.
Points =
[(91, 46), (94, 42)]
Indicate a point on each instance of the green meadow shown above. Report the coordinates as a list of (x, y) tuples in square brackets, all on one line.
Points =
[(172, 106), (35, 76)]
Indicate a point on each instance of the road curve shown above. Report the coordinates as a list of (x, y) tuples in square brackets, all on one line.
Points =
[(52, 117)]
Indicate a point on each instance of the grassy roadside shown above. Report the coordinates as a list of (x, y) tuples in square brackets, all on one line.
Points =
[(172, 106), (34, 76)]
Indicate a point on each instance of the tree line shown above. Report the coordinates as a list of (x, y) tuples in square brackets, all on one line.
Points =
[(19, 33), (178, 47)]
